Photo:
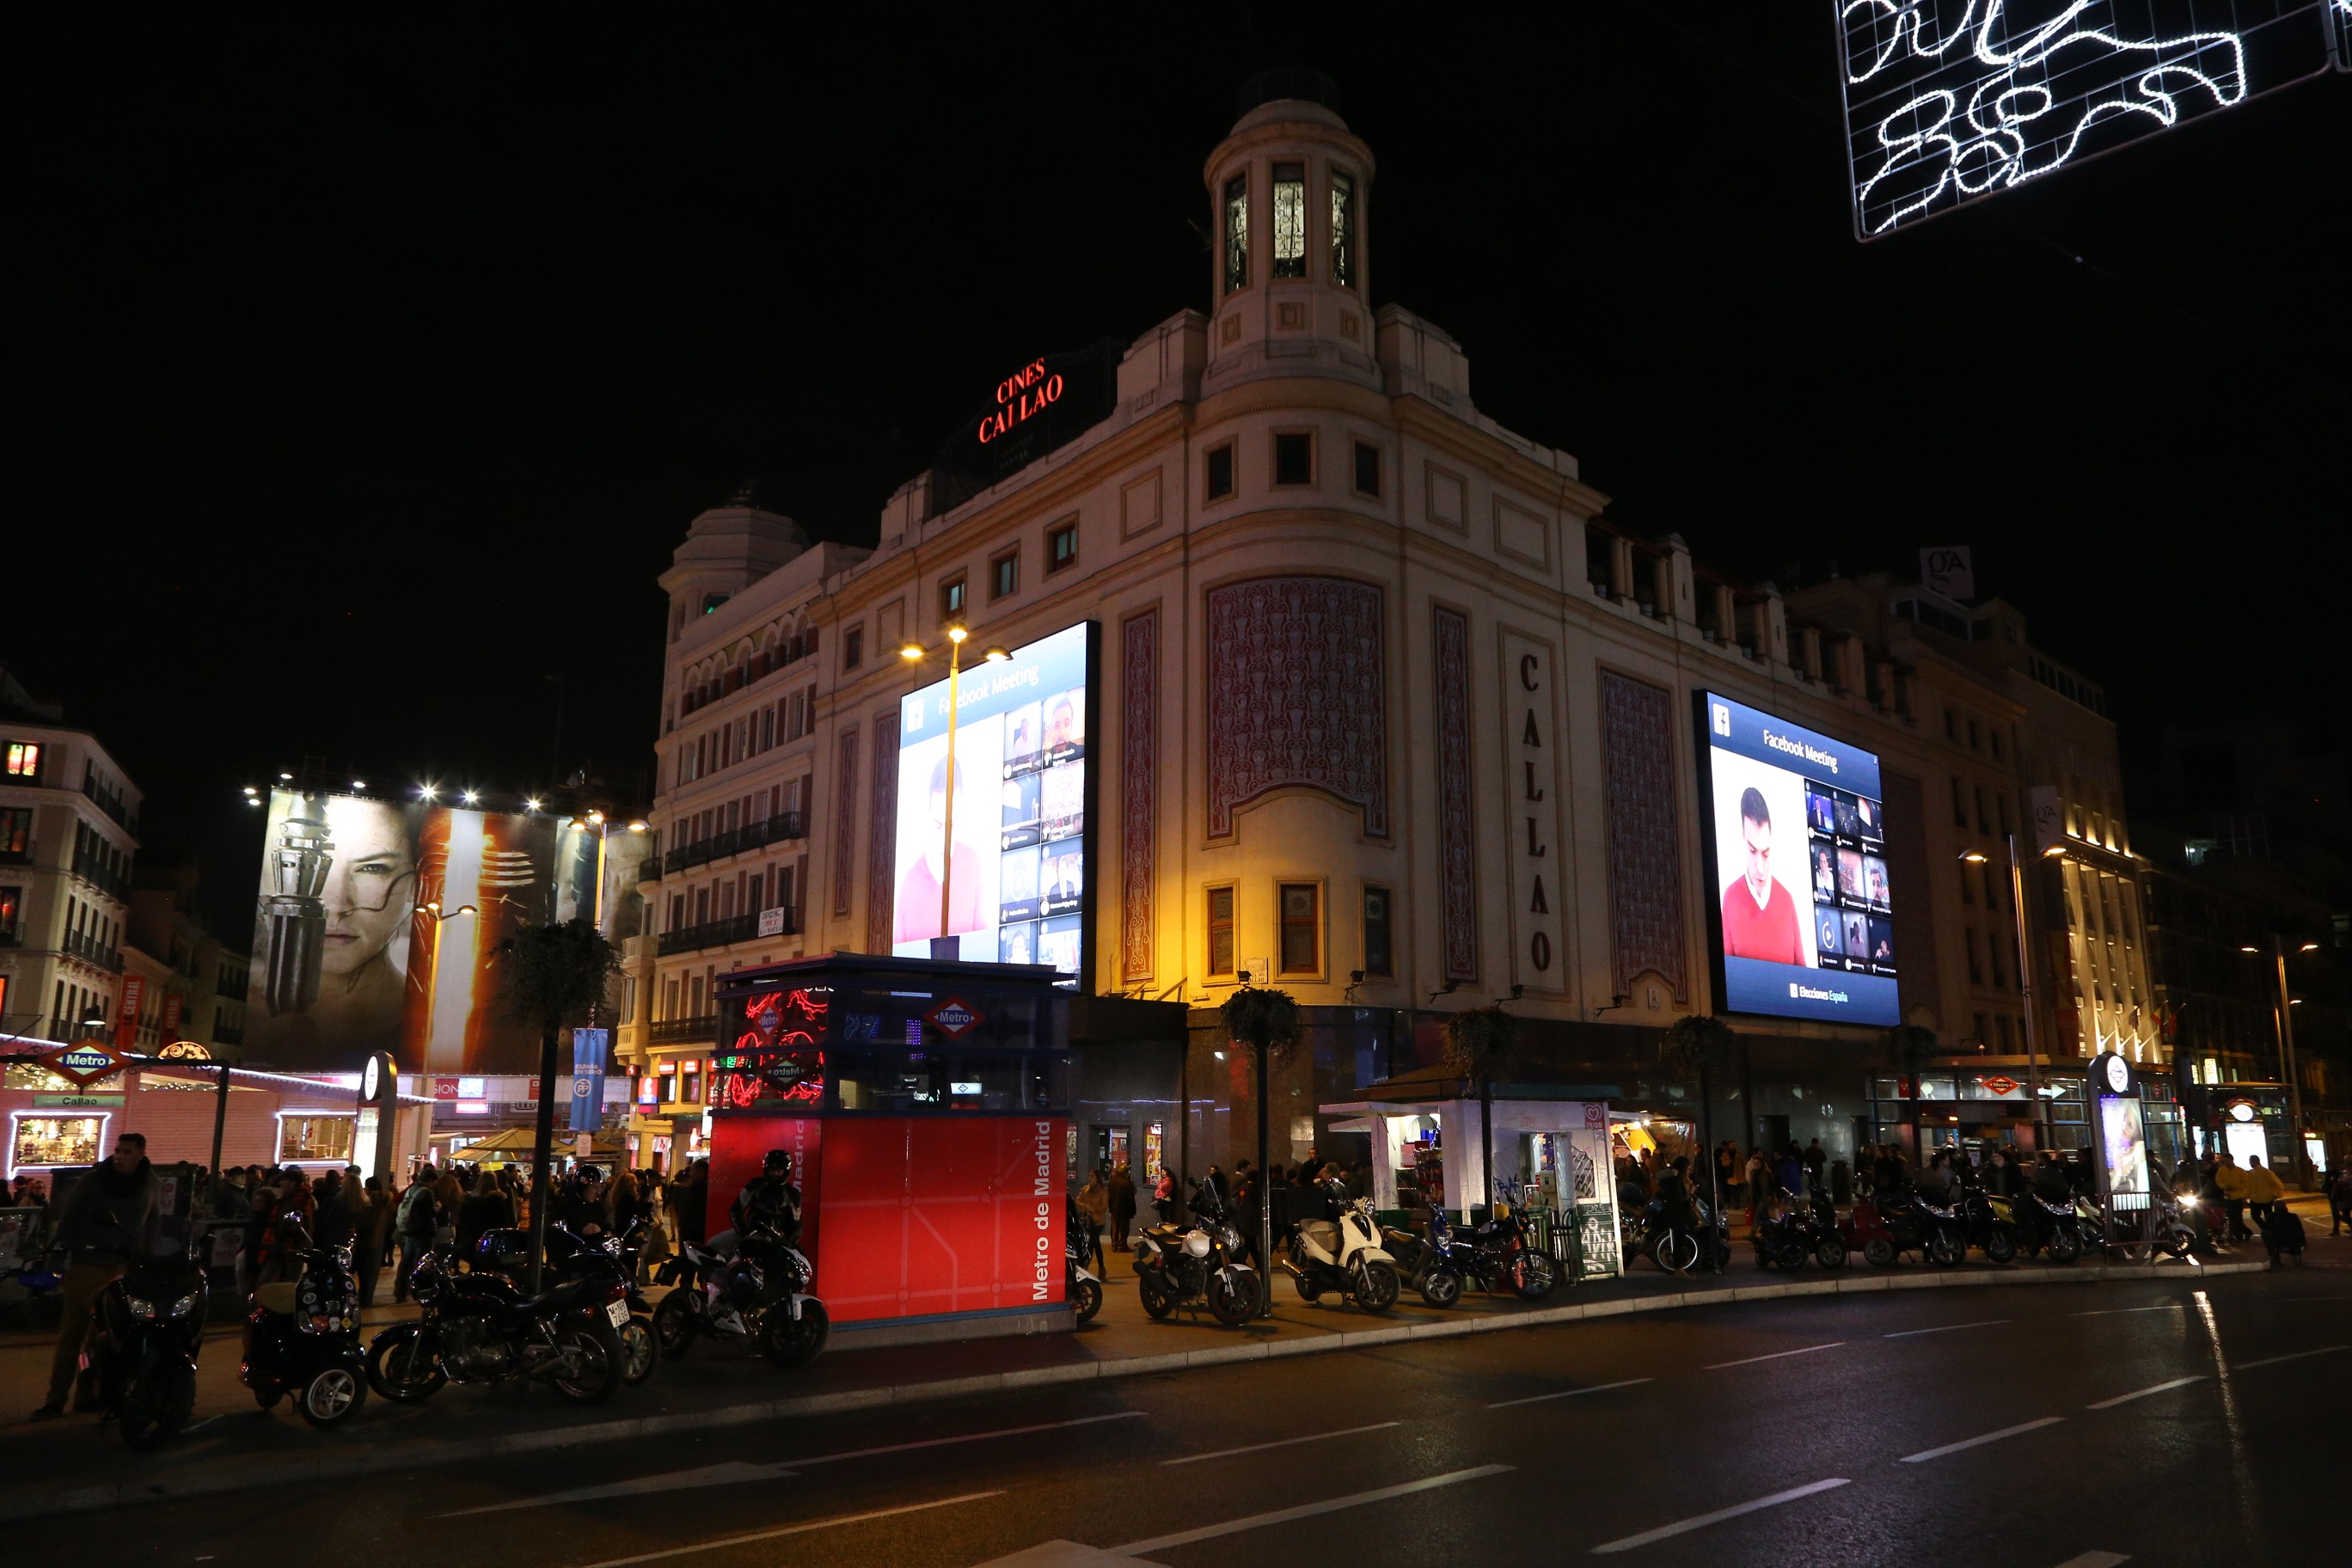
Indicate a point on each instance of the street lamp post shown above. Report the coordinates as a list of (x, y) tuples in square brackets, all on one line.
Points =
[(2024, 989), (2287, 1065), (942, 945)]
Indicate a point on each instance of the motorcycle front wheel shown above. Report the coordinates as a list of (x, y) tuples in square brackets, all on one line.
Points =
[(674, 1324), (1153, 1291), (1943, 1250), (1676, 1252), (1878, 1253), (1534, 1276), (1441, 1288), (1376, 1286), (333, 1396), (1085, 1300), (156, 1405), (2064, 1246), (791, 1342), (1999, 1246), (593, 1363), (401, 1368), (1830, 1252), (1791, 1255), (1233, 1298), (639, 1350)]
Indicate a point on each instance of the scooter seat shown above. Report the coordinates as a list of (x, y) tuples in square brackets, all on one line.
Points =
[(279, 1297)]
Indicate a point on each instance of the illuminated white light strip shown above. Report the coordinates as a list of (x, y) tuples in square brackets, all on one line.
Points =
[(1990, 153)]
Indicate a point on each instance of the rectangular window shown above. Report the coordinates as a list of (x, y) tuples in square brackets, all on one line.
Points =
[(853, 647), (1959, 806), (1343, 229), (1984, 819), (1379, 946), (1236, 233), (17, 833), (1301, 907), (2001, 801), (1294, 457), (1973, 737), (1951, 725), (1221, 472), (1975, 970), (952, 598), (1996, 745), (1983, 1019), (24, 760), (1004, 575), (12, 910), (1968, 889), (1368, 469), (1289, 220), (1221, 930), (1061, 546)]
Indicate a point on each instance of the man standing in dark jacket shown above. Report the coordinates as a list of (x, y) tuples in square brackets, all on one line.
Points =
[(106, 1221), (1122, 1207)]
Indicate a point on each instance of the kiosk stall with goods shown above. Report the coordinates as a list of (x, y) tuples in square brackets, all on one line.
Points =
[(926, 1106), (1550, 1157)]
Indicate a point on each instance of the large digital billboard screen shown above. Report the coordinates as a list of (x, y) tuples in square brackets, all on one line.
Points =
[(1018, 880), (1804, 904), (348, 958)]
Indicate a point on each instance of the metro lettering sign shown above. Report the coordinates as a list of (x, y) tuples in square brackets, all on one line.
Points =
[(954, 1017), (84, 1062)]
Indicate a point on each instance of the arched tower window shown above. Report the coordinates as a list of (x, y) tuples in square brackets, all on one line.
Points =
[(1343, 229), (1289, 221), (1237, 233)]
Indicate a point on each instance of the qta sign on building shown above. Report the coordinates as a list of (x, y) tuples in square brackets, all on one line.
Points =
[(1949, 100)]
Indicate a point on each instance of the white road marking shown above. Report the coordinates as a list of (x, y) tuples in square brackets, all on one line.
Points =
[(1776, 1355), (1926, 1454), (739, 1470), (2273, 1360), (2144, 1393), (1568, 1392), (2111, 1311), (1946, 1329), (2096, 1559), (1682, 1526), (1282, 1443), (793, 1530), (1284, 1516)]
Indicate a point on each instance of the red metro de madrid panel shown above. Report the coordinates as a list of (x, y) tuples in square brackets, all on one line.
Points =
[(936, 1214)]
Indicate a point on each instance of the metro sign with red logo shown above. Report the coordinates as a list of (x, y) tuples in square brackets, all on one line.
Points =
[(954, 1017), (2005, 1087), (84, 1061)]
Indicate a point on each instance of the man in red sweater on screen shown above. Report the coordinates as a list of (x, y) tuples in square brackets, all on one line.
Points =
[(1759, 918)]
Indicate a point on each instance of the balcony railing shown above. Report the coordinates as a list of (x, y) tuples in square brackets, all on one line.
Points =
[(87, 950), (701, 1031), (99, 875), (718, 933), (111, 804), (783, 827), (223, 1035)]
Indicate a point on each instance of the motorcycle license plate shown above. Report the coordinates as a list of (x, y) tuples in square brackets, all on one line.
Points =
[(619, 1313)]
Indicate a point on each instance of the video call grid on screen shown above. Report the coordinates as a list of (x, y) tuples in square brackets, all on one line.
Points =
[(1018, 890), (1786, 930)]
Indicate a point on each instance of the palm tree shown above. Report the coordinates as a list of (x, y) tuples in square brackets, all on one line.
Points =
[(1262, 1021), (552, 977), (1701, 1046), (1478, 1044)]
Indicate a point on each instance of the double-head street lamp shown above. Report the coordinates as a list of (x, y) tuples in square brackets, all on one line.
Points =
[(2024, 984), (2287, 1065), (944, 944), (595, 823)]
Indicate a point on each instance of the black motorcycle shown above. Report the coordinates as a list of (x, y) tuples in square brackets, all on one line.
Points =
[(1788, 1233), (1080, 1287), (1933, 1231), (2047, 1225), (1197, 1265), (606, 1255), (1989, 1224), (479, 1328), (302, 1338), (149, 1326), (1499, 1256), (1423, 1265), (759, 1294)]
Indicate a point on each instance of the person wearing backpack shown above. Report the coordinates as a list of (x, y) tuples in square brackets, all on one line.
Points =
[(418, 1215)]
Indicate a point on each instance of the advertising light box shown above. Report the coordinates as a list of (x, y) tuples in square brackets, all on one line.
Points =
[(1019, 884), (1797, 847)]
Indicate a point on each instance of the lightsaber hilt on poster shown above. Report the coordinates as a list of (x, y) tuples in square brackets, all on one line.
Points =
[(297, 917), (956, 636)]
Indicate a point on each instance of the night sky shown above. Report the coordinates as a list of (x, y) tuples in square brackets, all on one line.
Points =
[(364, 380)]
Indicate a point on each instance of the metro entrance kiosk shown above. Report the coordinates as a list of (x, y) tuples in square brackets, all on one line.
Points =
[(926, 1105), (1554, 1153), (2119, 1135)]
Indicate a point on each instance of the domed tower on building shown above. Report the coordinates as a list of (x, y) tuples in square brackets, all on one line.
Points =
[(1290, 189), (725, 550)]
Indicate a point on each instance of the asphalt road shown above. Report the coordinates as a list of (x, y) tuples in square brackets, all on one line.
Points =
[(2157, 1422)]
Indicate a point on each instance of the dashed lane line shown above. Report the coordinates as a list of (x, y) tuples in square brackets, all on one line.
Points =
[(1568, 1392), (1282, 1443), (1684, 1526), (1946, 1328), (1926, 1454), (804, 1528), (1284, 1516), (2273, 1360), (1776, 1355), (2144, 1393)]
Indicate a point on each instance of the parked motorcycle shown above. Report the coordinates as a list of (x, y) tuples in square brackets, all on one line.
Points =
[(1343, 1255), (1080, 1287), (1679, 1247), (1891, 1225), (2049, 1228), (1499, 1253), (150, 1325), (1989, 1224), (1423, 1264), (1197, 1265), (1788, 1233), (302, 1338), (479, 1327), (759, 1294), (608, 1257)]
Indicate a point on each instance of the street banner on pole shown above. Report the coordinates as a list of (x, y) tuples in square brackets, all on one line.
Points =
[(588, 1047)]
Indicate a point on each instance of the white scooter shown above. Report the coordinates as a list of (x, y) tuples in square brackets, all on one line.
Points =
[(1343, 1255)]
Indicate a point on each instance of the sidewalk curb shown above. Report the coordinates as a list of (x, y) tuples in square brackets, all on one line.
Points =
[(337, 1464)]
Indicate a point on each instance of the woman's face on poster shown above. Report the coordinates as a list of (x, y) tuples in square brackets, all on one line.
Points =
[(371, 887)]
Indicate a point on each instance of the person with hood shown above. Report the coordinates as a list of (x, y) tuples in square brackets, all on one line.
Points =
[(1122, 1207), (108, 1219)]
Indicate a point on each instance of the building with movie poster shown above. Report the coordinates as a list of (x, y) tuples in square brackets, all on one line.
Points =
[(1374, 704)]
